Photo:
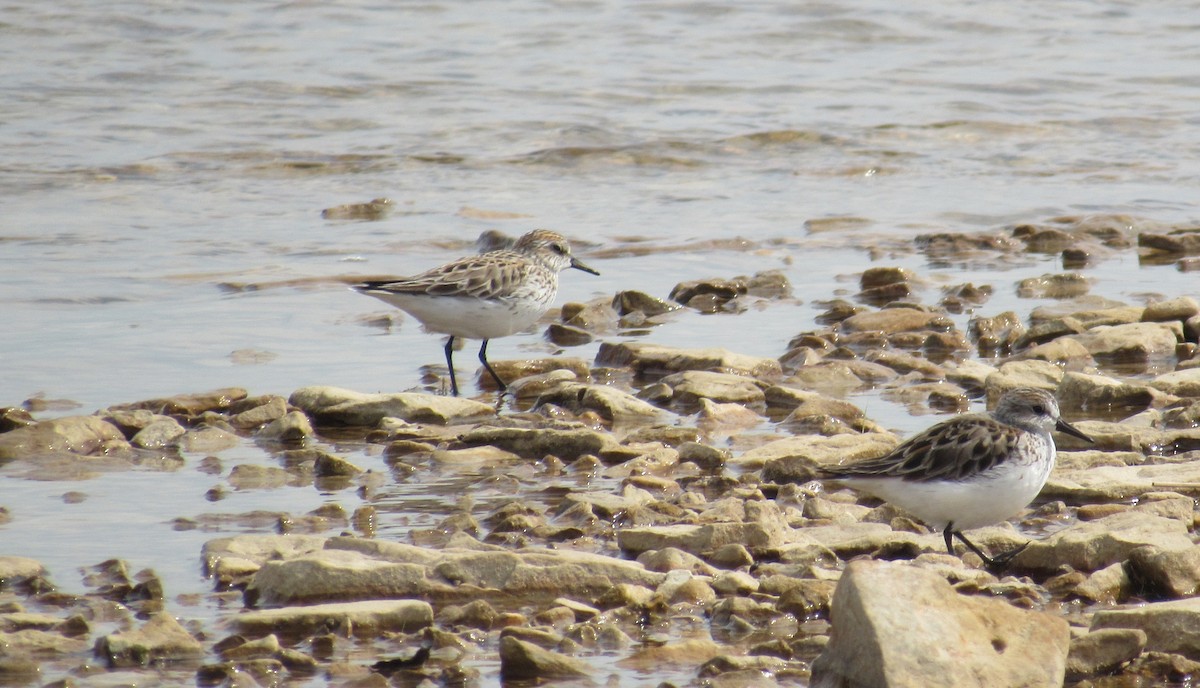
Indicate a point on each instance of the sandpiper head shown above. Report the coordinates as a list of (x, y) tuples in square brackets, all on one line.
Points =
[(551, 249), (1033, 409)]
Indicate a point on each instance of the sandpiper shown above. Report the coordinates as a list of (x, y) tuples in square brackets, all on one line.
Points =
[(970, 471), (490, 295)]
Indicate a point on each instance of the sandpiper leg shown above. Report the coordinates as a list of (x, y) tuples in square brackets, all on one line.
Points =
[(450, 365), (484, 361)]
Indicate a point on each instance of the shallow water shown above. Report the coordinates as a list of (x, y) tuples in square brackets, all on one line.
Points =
[(157, 153)]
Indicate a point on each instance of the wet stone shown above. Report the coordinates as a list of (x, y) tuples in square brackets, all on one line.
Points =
[(1180, 308), (160, 638), (1064, 286), (689, 386)]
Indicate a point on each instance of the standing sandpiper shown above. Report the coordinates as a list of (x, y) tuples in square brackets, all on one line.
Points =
[(490, 295), (970, 471)]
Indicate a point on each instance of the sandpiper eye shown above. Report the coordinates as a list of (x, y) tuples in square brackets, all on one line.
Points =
[(559, 248), (1039, 409)]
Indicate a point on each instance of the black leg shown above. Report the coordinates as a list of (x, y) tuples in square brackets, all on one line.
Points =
[(948, 533), (450, 365), (998, 562), (484, 361)]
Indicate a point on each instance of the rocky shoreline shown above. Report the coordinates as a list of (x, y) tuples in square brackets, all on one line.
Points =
[(664, 520)]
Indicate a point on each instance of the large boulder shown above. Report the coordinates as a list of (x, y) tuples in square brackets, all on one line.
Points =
[(897, 625)]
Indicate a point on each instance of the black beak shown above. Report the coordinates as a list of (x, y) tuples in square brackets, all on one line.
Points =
[(1066, 428), (578, 265)]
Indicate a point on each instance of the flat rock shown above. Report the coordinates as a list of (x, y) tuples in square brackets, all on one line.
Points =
[(1135, 342), (161, 638), (763, 525), (690, 386), (82, 435), (1118, 483), (1181, 383), (366, 618), (1093, 545), (455, 576), (1079, 391), (817, 450), (190, 404), (655, 359), (1169, 626), (897, 625), (39, 643), (347, 407), (805, 403), (537, 443), (893, 320)]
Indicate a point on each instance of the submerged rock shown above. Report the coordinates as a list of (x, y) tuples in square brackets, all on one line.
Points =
[(83, 435), (160, 638)]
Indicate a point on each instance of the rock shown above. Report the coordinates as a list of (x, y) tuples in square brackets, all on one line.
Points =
[(689, 386), (326, 465), (692, 652), (83, 435), (1064, 286), (389, 571), (1039, 374), (520, 661), (626, 302), (611, 403), (1061, 351), (1135, 342), (1109, 585), (1077, 391), (292, 427), (1182, 242), (764, 527), (1050, 330), (654, 359), (811, 403), (817, 450), (347, 407), (1119, 483), (159, 434), (519, 369), (190, 404), (567, 445), (31, 642), (209, 438), (1092, 545), (1170, 574), (1169, 626), (893, 320), (894, 624), (1102, 651), (1091, 311), (840, 377), (998, 334), (19, 570), (365, 619), (1181, 383), (1180, 308), (160, 639), (273, 409)]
